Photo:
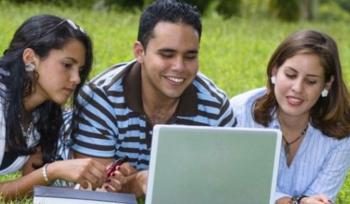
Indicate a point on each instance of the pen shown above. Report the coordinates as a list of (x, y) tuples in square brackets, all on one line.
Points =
[(115, 165)]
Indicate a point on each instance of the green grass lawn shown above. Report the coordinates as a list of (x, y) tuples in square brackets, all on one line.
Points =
[(234, 52)]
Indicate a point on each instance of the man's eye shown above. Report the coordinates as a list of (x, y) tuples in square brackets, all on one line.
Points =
[(166, 55), (191, 56)]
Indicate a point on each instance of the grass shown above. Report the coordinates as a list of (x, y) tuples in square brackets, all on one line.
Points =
[(234, 52)]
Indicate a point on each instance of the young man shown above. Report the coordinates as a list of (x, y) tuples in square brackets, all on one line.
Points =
[(119, 108)]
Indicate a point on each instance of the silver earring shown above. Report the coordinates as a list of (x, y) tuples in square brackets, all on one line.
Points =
[(29, 67), (273, 79), (324, 93)]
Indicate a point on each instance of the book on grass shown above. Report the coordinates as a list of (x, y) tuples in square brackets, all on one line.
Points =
[(59, 195)]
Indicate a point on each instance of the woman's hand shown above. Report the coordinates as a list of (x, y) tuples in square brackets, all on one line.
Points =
[(82, 171), (316, 199)]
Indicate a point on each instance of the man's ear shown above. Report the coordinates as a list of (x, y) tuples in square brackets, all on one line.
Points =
[(29, 56), (139, 52)]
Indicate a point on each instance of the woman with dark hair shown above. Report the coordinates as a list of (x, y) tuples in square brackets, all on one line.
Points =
[(307, 99), (46, 62)]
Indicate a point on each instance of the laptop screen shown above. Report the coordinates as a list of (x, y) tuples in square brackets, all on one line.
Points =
[(216, 165)]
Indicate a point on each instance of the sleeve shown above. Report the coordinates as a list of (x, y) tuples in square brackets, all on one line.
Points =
[(236, 106), (279, 195), (226, 115), (96, 128), (242, 110), (332, 175)]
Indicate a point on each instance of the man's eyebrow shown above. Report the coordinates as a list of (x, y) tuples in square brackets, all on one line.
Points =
[(166, 50), (192, 52), (71, 58)]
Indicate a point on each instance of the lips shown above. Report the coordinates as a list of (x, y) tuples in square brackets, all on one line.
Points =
[(68, 90), (294, 101)]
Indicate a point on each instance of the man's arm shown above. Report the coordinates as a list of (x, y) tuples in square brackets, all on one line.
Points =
[(226, 116)]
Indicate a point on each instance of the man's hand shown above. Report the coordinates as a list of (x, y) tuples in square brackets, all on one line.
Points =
[(128, 180)]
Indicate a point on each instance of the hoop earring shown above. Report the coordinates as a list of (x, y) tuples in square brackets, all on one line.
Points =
[(324, 93), (29, 67), (273, 79)]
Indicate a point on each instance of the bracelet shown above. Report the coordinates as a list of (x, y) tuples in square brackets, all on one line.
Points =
[(44, 171), (301, 197), (297, 199), (294, 200)]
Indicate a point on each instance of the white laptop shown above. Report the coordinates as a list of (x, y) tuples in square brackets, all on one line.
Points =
[(213, 165)]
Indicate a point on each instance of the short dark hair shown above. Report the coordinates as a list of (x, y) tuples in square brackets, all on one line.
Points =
[(167, 11)]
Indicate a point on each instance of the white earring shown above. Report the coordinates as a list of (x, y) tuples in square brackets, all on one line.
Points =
[(29, 67), (273, 79), (324, 93)]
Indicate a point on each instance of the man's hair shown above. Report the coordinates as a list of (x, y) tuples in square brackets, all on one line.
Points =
[(171, 11)]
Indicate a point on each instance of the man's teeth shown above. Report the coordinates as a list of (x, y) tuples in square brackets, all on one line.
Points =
[(177, 80)]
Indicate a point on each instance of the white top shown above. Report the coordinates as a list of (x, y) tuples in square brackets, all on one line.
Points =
[(32, 139)]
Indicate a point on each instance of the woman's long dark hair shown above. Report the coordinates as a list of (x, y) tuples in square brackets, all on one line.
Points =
[(41, 33)]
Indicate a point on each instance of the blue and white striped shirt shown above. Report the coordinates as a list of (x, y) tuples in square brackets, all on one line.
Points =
[(112, 123), (320, 164)]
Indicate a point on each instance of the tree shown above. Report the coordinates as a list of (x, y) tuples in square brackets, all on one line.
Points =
[(293, 10), (228, 8)]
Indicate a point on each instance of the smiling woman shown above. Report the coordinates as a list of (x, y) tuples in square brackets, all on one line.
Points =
[(307, 99), (46, 62)]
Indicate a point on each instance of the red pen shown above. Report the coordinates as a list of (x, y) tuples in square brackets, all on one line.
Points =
[(115, 165)]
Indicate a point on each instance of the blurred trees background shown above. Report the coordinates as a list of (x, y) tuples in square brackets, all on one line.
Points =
[(286, 10)]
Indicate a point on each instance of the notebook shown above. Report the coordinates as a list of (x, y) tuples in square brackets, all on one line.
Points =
[(213, 165), (61, 195)]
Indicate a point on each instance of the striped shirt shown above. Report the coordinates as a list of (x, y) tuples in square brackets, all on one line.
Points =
[(113, 124), (320, 164)]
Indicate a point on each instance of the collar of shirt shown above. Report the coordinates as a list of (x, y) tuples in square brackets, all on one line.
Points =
[(132, 92)]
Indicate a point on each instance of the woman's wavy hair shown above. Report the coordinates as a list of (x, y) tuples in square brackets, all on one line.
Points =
[(42, 33), (330, 114)]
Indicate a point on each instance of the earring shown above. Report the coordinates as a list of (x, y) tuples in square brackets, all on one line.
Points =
[(29, 67), (273, 79), (324, 93)]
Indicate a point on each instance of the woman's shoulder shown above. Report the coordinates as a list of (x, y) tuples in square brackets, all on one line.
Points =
[(329, 140), (247, 98), (242, 105)]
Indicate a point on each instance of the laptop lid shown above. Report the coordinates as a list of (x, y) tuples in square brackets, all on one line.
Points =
[(216, 165)]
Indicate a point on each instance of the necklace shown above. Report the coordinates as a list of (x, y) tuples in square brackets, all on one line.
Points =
[(288, 144)]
